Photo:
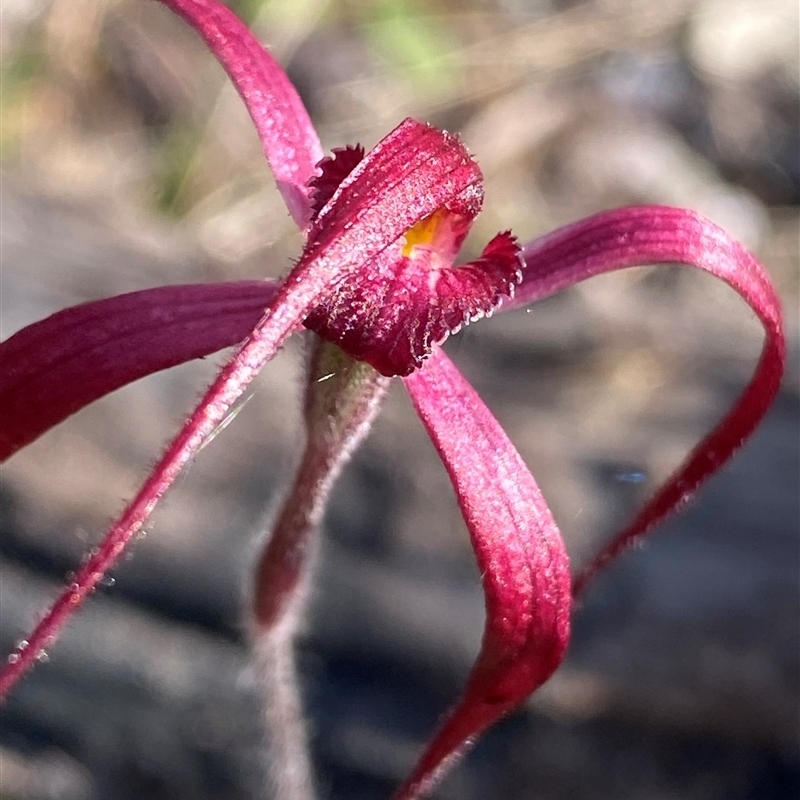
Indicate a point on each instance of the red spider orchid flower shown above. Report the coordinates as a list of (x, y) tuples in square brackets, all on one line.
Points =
[(376, 283)]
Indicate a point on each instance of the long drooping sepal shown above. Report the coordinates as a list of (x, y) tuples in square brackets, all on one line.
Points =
[(55, 367), (649, 235), (520, 554), (287, 136), (342, 398), (439, 168)]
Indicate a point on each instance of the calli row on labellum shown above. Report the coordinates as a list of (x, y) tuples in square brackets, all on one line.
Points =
[(376, 283)]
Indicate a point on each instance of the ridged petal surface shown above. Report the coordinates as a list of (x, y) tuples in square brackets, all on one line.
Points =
[(55, 367), (520, 554)]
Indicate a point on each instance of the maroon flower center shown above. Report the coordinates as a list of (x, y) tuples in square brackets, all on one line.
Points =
[(410, 297)]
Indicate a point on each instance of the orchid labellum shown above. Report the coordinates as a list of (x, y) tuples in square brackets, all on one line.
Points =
[(377, 285)]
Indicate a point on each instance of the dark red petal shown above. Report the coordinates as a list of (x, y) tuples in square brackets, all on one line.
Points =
[(520, 555), (55, 367), (652, 234), (333, 170), (287, 136), (392, 314)]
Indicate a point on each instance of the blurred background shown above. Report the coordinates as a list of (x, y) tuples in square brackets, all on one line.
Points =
[(129, 162)]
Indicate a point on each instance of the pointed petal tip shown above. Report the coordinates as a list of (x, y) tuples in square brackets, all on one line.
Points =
[(521, 556)]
